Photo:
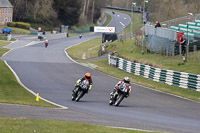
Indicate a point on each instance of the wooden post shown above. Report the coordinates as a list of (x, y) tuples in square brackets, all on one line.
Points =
[(156, 48), (167, 49), (161, 48), (180, 48), (146, 43), (172, 50), (187, 51), (195, 52), (151, 47)]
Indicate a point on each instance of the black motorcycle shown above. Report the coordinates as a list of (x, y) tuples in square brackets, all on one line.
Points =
[(80, 90), (117, 97)]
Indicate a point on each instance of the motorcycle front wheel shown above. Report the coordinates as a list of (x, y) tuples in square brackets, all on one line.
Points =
[(118, 101), (79, 95)]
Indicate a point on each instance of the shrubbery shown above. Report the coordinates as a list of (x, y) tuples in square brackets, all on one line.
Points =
[(19, 25)]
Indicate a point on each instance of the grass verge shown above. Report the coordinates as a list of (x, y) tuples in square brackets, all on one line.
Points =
[(11, 91), (23, 125), (86, 50), (108, 19)]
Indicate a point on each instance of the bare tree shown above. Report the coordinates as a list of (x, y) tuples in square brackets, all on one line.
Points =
[(93, 6)]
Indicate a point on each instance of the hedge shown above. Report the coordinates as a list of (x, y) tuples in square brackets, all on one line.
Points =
[(19, 25)]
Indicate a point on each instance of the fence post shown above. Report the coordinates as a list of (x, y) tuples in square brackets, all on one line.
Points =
[(180, 51), (155, 47), (172, 50), (195, 52), (167, 49), (161, 48), (146, 43), (151, 47), (187, 51)]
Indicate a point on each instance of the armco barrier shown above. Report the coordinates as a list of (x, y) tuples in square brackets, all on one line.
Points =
[(173, 78)]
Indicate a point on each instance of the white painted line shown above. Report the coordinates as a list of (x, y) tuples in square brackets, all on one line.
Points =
[(19, 81), (11, 43), (6, 53), (130, 129), (122, 24)]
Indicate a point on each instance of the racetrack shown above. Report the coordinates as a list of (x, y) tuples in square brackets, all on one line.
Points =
[(49, 72)]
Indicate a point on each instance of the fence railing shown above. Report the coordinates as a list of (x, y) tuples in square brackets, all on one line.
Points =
[(173, 78)]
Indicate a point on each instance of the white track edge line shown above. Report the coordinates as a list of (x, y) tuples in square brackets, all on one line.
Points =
[(130, 128), (19, 81)]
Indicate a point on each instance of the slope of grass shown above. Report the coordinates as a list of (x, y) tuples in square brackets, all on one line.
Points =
[(23, 125), (108, 19), (86, 50), (11, 91)]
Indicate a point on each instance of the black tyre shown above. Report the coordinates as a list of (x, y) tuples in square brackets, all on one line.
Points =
[(110, 102), (119, 100), (79, 95), (73, 96)]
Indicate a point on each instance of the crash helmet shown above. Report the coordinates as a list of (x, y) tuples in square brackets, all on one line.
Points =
[(126, 80), (87, 76)]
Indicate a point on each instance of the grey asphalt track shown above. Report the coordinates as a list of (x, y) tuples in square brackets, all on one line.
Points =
[(49, 72)]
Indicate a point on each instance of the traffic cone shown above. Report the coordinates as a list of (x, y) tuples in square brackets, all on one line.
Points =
[(37, 97)]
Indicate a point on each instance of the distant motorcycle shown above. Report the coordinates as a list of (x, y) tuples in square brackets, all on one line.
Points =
[(123, 92), (80, 90)]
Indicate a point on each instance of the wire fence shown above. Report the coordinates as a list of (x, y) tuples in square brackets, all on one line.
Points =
[(174, 51)]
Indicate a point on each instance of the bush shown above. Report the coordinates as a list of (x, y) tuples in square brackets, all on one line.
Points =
[(22, 25), (19, 25), (11, 24)]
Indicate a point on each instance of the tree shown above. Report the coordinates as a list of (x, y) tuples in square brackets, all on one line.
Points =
[(68, 11)]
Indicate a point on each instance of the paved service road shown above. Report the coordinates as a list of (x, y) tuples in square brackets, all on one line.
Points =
[(51, 73)]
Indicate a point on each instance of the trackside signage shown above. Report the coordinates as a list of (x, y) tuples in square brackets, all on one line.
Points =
[(112, 60), (104, 29)]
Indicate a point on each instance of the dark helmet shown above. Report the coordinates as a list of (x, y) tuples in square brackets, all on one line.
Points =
[(87, 76), (126, 80)]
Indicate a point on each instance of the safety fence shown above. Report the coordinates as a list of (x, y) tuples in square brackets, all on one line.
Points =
[(173, 78)]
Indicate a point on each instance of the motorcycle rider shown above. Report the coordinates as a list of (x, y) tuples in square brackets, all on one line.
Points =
[(125, 80), (88, 77)]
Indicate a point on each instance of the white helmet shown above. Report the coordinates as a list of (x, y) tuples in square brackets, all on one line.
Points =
[(126, 80)]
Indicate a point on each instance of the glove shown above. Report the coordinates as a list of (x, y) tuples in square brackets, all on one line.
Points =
[(78, 82), (90, 87)]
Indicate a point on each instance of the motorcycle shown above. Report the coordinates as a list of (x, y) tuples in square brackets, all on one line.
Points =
[(123, 92), (80, 90)]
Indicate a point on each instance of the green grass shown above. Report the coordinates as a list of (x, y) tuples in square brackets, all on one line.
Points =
[(12, 92), (3, 43), (3, 38), (3, 50), (85, 50), (24, 125), (108, 19)]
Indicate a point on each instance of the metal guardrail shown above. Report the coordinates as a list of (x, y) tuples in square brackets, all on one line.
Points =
[(172, 78)]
